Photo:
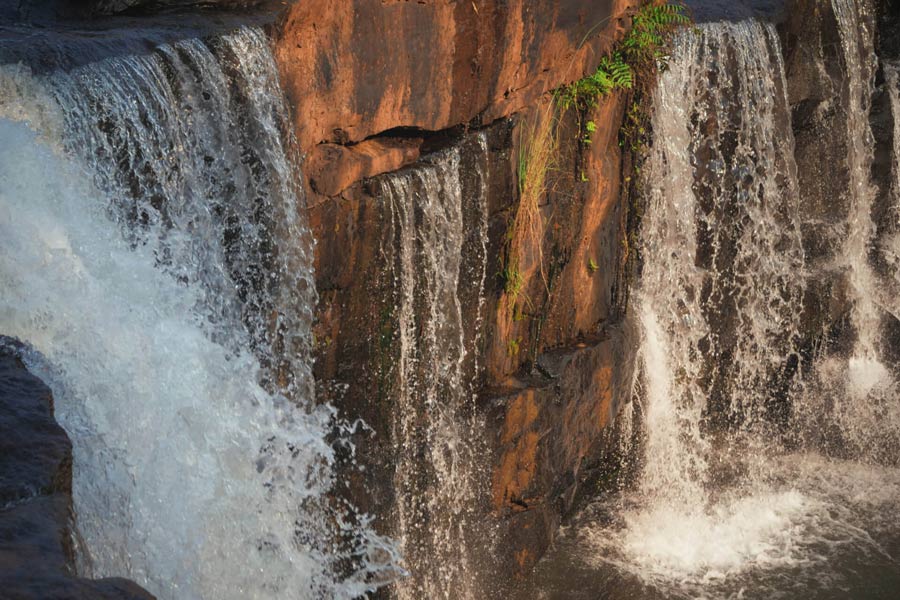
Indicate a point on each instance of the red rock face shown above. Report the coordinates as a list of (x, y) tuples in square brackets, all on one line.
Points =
[(379, 85), (357, 68), (357, 162)]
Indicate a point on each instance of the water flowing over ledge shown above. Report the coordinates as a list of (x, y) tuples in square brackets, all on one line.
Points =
[(437, 227), (144, 202), (157, 254), (766, 470)]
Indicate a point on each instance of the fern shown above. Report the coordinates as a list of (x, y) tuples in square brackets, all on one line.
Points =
[(651, 28), (619, 71)]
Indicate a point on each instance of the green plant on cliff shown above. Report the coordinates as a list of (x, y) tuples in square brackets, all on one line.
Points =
[(651, 29), (612, 73), (590, 127), (634, 130), (537, 156), (630, 66), (512, 281)]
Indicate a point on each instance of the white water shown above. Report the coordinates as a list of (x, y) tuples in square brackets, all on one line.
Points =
[(859, 392), (437, 226), (719, 287), (719, 303), (155, 257), (890, 248)]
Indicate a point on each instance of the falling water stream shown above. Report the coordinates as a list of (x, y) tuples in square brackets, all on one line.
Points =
[(859, 393), (156, 259), (437, 227), (722, 507)]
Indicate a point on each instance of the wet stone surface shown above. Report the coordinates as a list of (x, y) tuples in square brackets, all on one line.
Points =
[(36, 554)]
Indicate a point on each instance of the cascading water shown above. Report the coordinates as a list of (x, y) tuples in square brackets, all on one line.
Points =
[(859, 393), (890, 247), (722, 508), (723, 225), (156, 258), (436, 227), (719, 298)]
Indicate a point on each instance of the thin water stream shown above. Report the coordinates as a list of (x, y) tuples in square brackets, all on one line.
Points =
[(442, 237)]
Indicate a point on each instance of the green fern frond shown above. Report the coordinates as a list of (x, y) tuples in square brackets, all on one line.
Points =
[(651, 28)]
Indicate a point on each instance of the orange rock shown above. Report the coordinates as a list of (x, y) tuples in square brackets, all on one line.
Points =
[(355, 68), (332, 168)]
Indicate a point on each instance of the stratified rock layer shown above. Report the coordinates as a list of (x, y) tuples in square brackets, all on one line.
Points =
[(358, 68)]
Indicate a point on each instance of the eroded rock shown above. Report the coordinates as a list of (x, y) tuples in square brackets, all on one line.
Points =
[(357, 68)]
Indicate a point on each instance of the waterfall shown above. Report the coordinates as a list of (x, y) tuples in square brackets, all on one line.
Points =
[(728, 503), (435, 428), (157, 258), (891, 246), (719, 298), (860, 390)]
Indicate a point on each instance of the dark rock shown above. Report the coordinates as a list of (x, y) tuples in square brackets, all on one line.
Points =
[(819, 94), (548, 436), (62, 13), (35, 453), (37, 559)]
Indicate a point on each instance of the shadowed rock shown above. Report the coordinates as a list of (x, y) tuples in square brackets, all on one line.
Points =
[(37, 558)]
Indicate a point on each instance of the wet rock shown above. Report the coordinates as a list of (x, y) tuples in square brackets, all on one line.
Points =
[(568, 377), (380, 86), (94, 11), (819, 94), (575, 262), (112, 7), (332, 168), (549, 435), (37, 559), (35, 453)]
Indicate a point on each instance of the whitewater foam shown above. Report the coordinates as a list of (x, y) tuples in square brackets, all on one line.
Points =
[(134, 228)]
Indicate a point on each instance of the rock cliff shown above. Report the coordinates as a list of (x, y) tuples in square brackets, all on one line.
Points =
[(380, 89)]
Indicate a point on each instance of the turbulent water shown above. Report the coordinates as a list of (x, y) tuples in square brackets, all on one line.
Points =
[(156, 258), (437, 226), (722, 507), (719, 303)]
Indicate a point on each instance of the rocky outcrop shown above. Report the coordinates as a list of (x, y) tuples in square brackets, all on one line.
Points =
[(112, 7), (36, 550), (817, 95), (548, 430), (382, 86), (93, 11), (357, 69)]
